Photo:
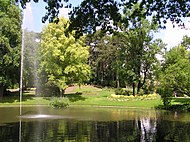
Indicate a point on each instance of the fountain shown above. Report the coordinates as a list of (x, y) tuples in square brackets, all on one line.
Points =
[(26, 27), (21, 70)]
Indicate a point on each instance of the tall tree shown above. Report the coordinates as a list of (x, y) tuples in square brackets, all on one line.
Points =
[(176, 71), (10, 43), (63, 58), (106, 58), (127, 57), (141, 50)]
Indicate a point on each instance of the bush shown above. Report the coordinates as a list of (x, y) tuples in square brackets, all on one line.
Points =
[(121, 91), (141, 92), (166, 94), (59, 102)]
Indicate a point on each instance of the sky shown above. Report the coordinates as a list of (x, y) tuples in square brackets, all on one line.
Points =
[(35, 11)]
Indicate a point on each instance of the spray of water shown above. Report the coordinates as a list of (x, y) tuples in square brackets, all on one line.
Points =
[(26, 13), (21, 71)]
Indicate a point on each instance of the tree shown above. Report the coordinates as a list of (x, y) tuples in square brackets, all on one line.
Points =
[(107, 58), (63, 58), (186, 41), (10, 43), (128, 56), (84, 17), (140, 50), (176, 71), (91, 14)]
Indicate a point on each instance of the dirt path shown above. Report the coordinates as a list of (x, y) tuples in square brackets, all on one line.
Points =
[(70, 89)]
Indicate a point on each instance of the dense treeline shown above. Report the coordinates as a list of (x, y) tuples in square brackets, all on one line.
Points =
[(127, 56)]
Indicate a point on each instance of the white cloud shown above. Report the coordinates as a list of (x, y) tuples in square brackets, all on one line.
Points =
[(173, 36)]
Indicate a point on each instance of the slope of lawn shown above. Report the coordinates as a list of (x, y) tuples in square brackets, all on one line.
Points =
[(88, 95), (82, 96)]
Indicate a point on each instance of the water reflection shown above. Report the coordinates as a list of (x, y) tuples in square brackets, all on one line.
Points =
[(120, 127), (95, 131)]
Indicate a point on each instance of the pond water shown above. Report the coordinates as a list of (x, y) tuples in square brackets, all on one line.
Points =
[(80, 124)]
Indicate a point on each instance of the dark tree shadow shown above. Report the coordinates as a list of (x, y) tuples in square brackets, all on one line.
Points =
[(74, 97), (181, 100), (10, 97)]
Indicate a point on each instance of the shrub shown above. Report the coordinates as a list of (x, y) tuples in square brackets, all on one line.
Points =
[(166, 94), (59, 102), (141, 92), (121, 91)]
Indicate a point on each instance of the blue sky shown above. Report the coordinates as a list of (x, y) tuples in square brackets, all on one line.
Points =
[(35, 11)]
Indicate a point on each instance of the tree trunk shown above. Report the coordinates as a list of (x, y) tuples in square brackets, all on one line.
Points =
[(133, 89), (117, 79), (62, 93), (139, 87), (1, 91), (140, 84)]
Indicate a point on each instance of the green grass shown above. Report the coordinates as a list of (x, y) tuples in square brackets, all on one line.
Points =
[(6, 101), (180, 104), (100, 97), (180, 101), (28, 98), (84, 96)]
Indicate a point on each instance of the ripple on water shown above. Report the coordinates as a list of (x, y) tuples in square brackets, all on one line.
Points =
[(42, 116)]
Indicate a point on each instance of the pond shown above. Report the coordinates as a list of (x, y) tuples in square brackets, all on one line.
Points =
[(81, 124)]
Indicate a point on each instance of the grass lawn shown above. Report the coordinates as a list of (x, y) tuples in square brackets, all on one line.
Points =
[(84, 96), (92, 96), (180, 100)]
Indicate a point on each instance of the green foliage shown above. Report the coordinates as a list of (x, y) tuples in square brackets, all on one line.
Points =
[(166, 96), (122, 91), (10, 43), (186, 41), (105, 58), (91, 14), (175, 74), (176, 70), (128, 57), (59, 102), (63, 58), (140, 62), (48, 91)]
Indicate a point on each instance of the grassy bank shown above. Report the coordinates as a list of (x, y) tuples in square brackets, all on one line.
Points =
[(84, 96)]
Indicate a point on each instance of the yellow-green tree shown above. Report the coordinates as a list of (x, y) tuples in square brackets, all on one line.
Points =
[(63, 58)]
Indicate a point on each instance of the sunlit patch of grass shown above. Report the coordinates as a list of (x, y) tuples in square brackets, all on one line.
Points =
[(86, 89)]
